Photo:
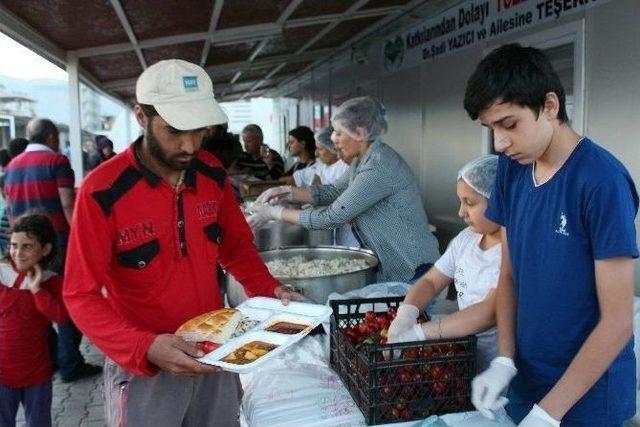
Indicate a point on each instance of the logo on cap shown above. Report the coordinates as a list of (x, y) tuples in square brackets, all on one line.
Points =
[(190, 83)]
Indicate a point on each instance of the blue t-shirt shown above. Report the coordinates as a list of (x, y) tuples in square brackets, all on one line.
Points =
[(556, 231)]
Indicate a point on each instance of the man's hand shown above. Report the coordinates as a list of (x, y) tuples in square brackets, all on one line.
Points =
[(486, 387), (264, 214), (176, 356), (538, 417), (286, 294), (35, 278)]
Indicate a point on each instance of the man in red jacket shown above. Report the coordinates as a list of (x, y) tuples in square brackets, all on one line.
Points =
[(149, 227)]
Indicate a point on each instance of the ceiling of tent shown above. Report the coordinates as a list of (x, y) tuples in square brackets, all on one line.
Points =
[(247, 46)]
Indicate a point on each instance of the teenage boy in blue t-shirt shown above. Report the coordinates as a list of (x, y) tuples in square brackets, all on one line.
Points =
[(565, 291)]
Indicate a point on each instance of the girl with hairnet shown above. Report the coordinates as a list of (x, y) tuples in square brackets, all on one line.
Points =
[(471, 262), (328, 166), (378, 197)]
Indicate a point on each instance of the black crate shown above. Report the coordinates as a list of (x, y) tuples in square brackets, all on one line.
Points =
[(425, 378)]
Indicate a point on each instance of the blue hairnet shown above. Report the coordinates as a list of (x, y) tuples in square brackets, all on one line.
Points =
[(323, 136), (365, 112), (480, 174)]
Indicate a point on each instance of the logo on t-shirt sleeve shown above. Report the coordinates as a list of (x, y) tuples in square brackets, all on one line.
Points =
[(563, 225)]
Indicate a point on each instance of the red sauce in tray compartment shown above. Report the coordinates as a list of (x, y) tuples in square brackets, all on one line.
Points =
[(287, 328)]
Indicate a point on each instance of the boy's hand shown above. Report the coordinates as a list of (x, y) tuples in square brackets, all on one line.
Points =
[(35, 278), (486, 387)]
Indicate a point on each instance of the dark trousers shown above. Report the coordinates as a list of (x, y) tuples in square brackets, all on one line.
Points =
[(35, 399), (66, 354), (65, 345)]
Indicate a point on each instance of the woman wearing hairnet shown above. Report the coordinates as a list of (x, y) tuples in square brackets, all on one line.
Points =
[(379, 197), (471, 262)]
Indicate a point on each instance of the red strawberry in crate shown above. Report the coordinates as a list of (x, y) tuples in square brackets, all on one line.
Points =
[(426, 352), (369, 316), (459, 349), (405, 375), (446, 349), (395, 413), (439, 388), (407, 392), (406, 414), (392, 312), (400, 404), (411, 354), (383, 321)]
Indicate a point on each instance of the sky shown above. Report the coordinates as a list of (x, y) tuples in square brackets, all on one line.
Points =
[(20, 62)]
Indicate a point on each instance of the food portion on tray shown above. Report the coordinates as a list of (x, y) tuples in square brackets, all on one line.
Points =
[(286, 328), (239, 339), (249, 352)]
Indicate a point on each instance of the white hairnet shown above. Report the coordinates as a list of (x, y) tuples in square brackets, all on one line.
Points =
[(365, 112), (480, 174), (323, 136)]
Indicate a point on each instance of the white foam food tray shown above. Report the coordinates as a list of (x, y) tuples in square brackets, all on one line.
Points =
[(269, 311), (215, 357)]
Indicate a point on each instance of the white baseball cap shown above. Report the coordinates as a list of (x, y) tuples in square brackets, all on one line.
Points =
[(182, 94)]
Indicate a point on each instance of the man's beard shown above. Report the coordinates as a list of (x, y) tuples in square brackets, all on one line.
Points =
[(160, 155)]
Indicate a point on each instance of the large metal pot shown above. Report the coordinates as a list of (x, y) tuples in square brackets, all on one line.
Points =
[(280, 234), (317, 289)]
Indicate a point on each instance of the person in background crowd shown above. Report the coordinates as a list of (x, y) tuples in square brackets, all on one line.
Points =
[(30, 299), (379, 197), (5, 158), (104, 151), (258, 159), (565, 290), (160, 216), (471, 263), (222, 144), (334, 167), (41, 179), (89, 151), (301, 144), (17, 146)]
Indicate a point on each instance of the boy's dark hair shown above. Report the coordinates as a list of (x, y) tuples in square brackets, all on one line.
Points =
[(303, 133), (38, 226), (17, 146), (512, 73)]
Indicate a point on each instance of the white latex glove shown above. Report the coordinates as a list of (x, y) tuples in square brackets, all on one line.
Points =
[(401, 328), (538, 417), (415, 333), (406, 317), (486, 387), (265, 214), (273, 195)]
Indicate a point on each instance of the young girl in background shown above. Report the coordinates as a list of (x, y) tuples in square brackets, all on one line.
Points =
[(471, 262), (30, 299)]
